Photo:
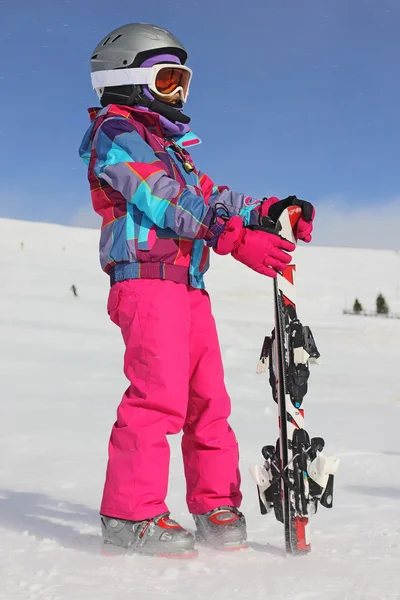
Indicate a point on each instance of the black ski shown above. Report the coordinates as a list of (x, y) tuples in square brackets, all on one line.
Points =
[(296, 476)]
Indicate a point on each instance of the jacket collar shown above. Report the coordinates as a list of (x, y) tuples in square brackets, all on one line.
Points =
[(147, 118)]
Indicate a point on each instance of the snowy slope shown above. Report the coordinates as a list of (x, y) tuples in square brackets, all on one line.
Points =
[(61, 380)]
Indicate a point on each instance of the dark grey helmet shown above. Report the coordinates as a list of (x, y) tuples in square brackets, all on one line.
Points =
[(130, 45)]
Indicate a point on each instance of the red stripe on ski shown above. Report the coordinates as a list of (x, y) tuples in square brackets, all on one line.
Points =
[(287, 302), (292, 421), (300, 524), (294, 215), (288, 273)]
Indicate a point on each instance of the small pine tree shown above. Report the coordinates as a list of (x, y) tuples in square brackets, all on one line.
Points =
[(382, 307), (357, 307)]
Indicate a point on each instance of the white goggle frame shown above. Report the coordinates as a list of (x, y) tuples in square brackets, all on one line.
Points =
[(138, 76)]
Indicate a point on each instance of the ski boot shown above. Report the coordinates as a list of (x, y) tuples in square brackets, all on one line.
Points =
[(158, 536), (223, 528)]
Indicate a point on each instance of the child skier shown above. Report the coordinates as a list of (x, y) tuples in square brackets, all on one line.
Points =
[(160, 218)]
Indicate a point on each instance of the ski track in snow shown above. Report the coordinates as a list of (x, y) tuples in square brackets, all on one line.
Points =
[(61, 381)]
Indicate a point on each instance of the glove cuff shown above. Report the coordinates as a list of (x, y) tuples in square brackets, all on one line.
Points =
[(214, 232), (227, 239)]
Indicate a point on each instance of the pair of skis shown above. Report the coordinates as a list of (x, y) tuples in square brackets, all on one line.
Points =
[(296, 476)]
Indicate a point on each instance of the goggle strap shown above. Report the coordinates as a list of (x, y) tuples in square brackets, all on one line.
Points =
[(137, 76), (116, 77)]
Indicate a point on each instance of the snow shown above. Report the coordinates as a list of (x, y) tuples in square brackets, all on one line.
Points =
[(61, 380)]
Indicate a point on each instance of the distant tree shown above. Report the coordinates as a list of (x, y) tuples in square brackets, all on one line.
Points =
[(357, 307), (382, 307)]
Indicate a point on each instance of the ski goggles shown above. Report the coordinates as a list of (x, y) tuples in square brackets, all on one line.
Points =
[(164, 79)]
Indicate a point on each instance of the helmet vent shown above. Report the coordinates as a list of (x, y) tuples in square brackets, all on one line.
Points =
[(94, 56), (116, 38), (105, 41)]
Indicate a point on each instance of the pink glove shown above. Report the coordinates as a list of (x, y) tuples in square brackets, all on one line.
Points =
[(304, 228), (304, 225), (261, 251), (266, 204)]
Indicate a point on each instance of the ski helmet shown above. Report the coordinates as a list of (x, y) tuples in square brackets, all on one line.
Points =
[(127, 47)]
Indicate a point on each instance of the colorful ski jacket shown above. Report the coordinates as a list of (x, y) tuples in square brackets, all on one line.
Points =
[(156, 207)]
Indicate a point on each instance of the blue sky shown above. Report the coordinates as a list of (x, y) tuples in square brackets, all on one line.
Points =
[(288, 97)]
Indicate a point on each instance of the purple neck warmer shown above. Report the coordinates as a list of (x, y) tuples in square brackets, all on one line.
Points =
[(169, 128)]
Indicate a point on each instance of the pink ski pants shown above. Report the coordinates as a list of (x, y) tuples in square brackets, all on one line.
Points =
[(173, 362)]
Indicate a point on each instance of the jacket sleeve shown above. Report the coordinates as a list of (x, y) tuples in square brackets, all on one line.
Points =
[(130, 166), (234, 202)]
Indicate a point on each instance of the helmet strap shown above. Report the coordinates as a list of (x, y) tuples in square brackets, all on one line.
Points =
[(133, 97), (162, 109), (120, 95)]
